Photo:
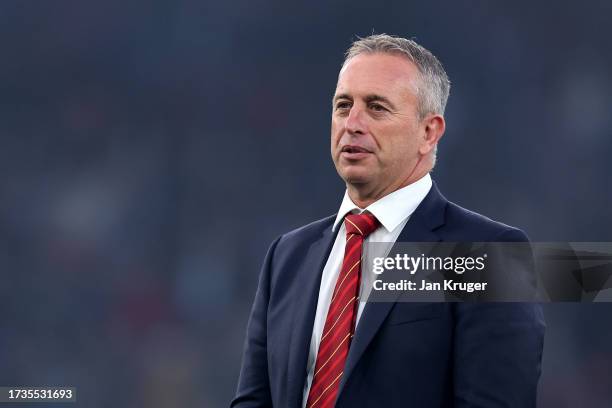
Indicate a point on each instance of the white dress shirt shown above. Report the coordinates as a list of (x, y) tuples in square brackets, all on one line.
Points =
[(393, 212)]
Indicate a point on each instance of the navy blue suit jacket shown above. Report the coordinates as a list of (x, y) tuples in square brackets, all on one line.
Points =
[(415, 355)]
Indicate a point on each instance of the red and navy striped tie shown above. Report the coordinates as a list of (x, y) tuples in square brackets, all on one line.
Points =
[(341, 316)]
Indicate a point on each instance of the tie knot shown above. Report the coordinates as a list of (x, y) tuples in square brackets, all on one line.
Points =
[(360, 224)]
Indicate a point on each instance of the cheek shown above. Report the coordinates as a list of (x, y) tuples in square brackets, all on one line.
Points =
[(335, 132), (401, 146)]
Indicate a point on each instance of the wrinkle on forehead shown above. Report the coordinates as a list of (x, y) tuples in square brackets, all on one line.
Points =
[(383, 74)]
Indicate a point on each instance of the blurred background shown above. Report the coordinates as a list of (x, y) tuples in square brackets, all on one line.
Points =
[(151, 151)]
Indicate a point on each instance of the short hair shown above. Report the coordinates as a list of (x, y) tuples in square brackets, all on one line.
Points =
[(433, 91)]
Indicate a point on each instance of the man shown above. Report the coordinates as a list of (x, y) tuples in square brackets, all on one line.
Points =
[(310, 341)]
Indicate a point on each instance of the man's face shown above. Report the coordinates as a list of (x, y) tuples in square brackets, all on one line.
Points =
[(376, 132)]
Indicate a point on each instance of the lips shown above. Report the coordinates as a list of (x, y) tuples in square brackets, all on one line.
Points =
[(354, 153), (354, 149)]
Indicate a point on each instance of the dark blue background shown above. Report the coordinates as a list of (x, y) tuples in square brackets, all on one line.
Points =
[(150, 152)]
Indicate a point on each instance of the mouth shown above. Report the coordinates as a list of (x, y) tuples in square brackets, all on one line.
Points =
[(354, 149), (352, 152)]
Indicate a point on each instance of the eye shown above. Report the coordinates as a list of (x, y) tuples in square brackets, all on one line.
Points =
[(377, 107), (343, 107)]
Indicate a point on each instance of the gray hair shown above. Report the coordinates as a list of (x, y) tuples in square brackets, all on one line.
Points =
[(434, 84)]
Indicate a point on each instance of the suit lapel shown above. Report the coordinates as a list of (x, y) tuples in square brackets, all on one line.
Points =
[(307, 295), (428, 216)]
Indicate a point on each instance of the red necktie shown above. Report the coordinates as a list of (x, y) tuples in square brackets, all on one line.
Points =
[(341, 316)]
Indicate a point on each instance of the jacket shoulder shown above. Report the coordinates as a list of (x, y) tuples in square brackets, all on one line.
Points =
[(309, 231), (294, 247), (464, 224)]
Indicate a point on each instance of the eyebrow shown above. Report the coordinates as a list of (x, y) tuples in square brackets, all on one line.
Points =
[(368, 99)]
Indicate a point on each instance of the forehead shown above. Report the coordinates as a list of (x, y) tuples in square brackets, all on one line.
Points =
[(385, 74)]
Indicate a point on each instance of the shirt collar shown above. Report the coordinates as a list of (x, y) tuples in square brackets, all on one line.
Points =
[(393, 208)]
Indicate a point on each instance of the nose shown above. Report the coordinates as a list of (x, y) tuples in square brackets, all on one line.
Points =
[(355, 121)]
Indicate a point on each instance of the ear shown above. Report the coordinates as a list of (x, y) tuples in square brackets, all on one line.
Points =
[(434, 129)]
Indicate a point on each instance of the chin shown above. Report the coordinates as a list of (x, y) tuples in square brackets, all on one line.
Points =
[(356, 177)]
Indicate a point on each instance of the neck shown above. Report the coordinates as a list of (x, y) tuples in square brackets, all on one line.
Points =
[(364, 195)]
